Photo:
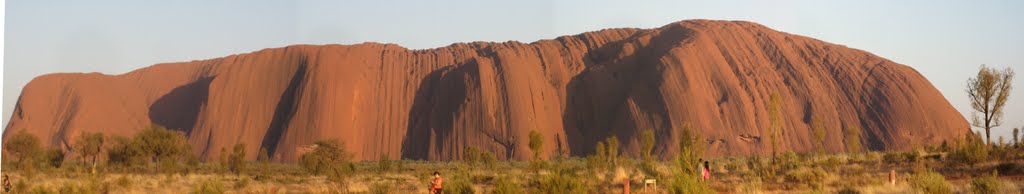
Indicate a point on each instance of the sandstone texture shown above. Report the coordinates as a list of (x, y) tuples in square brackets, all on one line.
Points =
[(383, 99)]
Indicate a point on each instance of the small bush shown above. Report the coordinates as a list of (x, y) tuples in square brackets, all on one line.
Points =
[(562, 182), (929, 182), (761, 168), (89, 145), (893, 158), (691, 149), (471, 156), (789, 160), (154, 144), (1010, 168), (649, 168), (241, 183), (236, 162), (123, 152), (20, 187), (123, 182), (848, 189), (536, 144), (811, 178), (326, 156), (459, 186), (41, 190), (489, 160), (912, 156), (385, 164), (52, 158), (381, 188), (162, 145), (986, 184), (22, 146), (688, 184), (971, 151), (732, 165), (750, 185), (210, 186), (506, 186), (75, 188), (872, 158), (538, 165), (832, 163)]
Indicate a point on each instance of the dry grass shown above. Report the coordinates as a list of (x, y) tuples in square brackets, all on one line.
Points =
[(865, 173)]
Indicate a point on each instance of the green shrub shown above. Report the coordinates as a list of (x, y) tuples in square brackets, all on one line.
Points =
[(1010, 168), (241, 183), (538, 165), (691, 149), (912, 156), (75, 188), (761, 168), (381, 188), (811, 178), (52, 158), (41, 190), (832, 162), (471, 156), (971, 151), (647, 142), (649, 168), (89, 145), (872, 158), (612, 148), (489, 160), (852, 139), (505, 186), (732, 164), (562, 182), (123, 152), (330, 158), (385, 164), (458, 186), (536, 144), (23, 146), (236, 162), (20, 187), (750, 185), (123, 182), (161, 144), (789, 160), (209, 186), (154, 144), (893, 158), (687, 184), (327, 155), (929, 182), (986, 184), (848, 189)]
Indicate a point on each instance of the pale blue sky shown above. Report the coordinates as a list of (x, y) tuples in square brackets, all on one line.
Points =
[(944, 40)]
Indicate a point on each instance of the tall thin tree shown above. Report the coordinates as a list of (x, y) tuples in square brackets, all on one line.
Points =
[(1015, 140), (819, 133), (775, 119), (989, 92)]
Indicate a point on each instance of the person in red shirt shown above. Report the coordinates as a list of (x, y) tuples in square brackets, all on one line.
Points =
[(435, 185), (706, 172)]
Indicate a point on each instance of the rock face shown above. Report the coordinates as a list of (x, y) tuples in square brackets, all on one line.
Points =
[(383, 99)]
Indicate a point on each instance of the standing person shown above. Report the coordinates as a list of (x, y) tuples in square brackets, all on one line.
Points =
[(7, 184), (700, 169), (706, 172), (435, 185)]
